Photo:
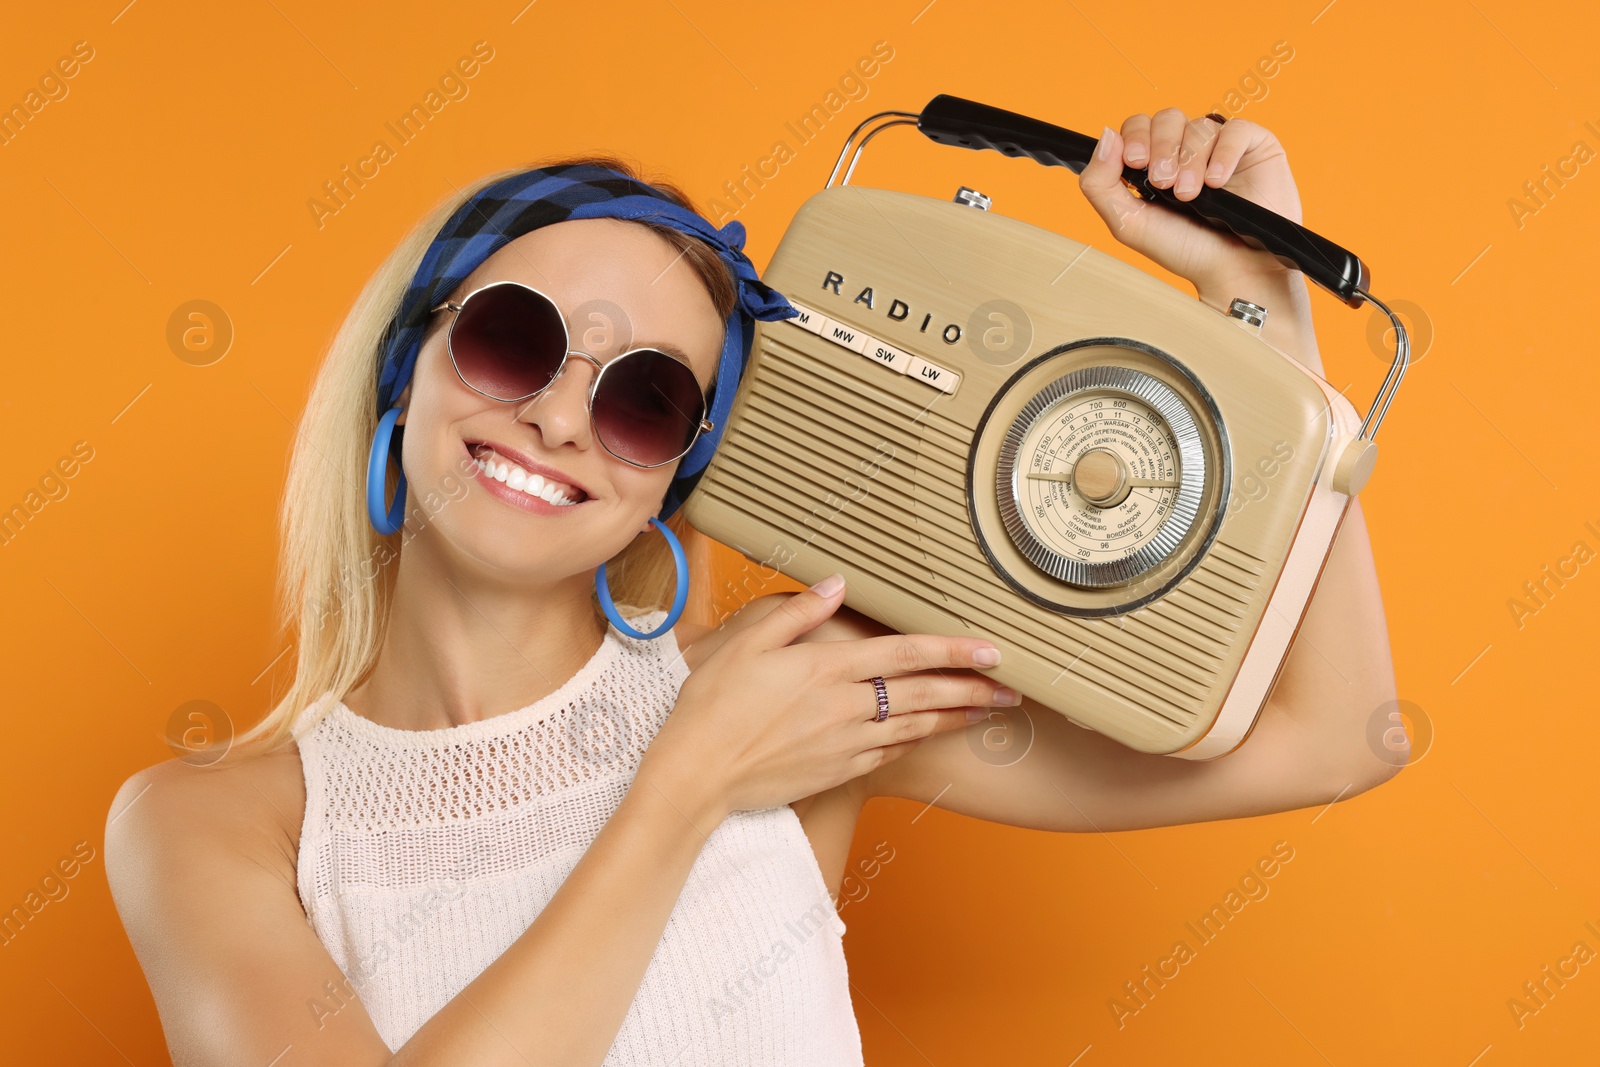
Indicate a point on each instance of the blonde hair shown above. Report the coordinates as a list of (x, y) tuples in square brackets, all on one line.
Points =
[(335, 572)]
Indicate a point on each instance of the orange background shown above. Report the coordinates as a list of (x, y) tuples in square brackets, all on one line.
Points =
[(179, 165)]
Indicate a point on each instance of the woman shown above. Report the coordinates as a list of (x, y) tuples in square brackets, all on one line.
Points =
[(486, 826)]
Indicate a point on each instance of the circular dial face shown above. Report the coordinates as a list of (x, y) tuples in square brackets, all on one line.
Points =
[(1101, 475)]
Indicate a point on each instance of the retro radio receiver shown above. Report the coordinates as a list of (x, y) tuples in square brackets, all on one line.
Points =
[(1072, 489)]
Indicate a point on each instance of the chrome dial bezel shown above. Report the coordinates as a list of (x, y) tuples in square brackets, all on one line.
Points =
[(1191, 473)]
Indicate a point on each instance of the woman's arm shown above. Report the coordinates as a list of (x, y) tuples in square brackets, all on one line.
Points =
[(1309, 746), (559, 994), (201, 866), (209, 902)]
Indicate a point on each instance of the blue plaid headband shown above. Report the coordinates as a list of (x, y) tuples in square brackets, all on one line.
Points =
[(533, 198)]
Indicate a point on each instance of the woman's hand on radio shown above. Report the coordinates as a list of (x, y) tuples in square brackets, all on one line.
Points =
[(1181, 154), (764, 721)]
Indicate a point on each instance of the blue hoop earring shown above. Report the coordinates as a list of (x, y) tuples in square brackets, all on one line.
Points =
[(377, 470), (680, 594)]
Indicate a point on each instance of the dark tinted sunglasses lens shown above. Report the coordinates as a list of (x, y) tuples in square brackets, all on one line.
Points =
[(647, 407), (507, 341)]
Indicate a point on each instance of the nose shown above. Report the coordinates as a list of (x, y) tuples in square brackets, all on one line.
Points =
[(561, 411)]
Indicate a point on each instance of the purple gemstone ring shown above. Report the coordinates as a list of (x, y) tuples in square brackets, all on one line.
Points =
[(883, 698)]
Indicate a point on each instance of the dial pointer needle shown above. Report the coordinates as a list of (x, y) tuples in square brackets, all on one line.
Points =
[(1133, 483)]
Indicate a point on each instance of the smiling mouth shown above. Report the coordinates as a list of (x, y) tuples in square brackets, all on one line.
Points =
[(514, 477)]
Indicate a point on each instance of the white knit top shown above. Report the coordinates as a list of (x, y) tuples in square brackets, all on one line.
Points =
[(425, 853)]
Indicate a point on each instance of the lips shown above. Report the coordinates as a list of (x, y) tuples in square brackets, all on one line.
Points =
[(520, 473)]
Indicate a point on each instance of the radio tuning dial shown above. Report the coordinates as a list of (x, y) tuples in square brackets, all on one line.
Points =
[(1101, 475)]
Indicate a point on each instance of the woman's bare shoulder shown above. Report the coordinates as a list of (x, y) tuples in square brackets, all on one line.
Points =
[(252, 805), (201, 862)]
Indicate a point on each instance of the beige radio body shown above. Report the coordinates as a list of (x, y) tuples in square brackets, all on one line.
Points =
[(867, 439)]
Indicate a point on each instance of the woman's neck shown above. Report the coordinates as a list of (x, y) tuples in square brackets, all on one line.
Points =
[(460, 647)]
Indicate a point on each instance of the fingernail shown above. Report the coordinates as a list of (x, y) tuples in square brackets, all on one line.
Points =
[(1005, 696), (1136, 154), (829, 585), (1186, 182), (986, 657), (1103, 149), (976, 714), (1162, 170)]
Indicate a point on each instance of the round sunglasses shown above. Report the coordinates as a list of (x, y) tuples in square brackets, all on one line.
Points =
[(509, 342)]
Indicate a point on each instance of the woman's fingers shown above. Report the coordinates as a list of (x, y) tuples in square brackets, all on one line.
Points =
[(1136, 140), (1199, 144), (1102, 184), (1233, 140), (798, 614), (872, 758), (1175, 151), (1179, 152), (912, 693), (899, 733), (1166, 139), (853, 660)]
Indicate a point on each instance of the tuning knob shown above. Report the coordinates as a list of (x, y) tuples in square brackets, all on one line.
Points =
[(1354, 466)]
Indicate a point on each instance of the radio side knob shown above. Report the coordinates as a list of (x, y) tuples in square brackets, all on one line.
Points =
[(1354, 466)]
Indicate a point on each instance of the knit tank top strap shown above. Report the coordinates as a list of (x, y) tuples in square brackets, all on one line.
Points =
[(424, 854)]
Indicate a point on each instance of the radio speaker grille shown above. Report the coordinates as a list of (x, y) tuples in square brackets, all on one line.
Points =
[(1160, 659)]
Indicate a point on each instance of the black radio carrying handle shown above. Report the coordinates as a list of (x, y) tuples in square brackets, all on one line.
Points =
[(951, 120)]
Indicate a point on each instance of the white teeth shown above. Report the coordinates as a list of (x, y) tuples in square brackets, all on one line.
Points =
[(532, 484)]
